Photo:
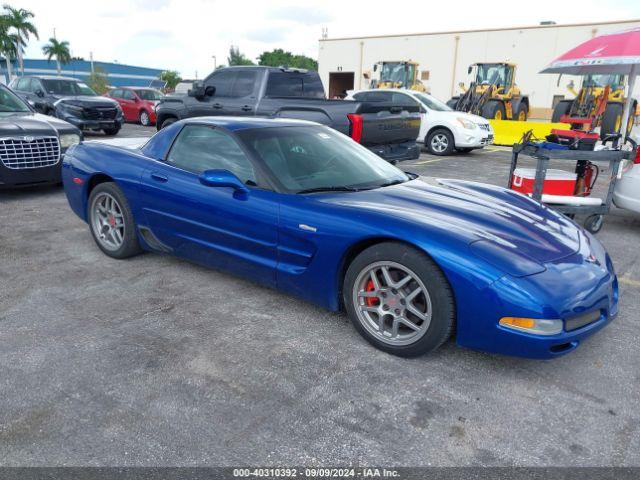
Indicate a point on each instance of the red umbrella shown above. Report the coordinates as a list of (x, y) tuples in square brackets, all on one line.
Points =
[(617, 52)]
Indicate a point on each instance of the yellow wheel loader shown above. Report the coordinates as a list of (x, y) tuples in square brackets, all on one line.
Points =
[(493, 93), (585, 112), (397, 75)]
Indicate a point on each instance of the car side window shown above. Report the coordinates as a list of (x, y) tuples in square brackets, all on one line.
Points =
[(373, 96), (23, 84), (128, 95), (199, 148), (116, 93), (404, 100), (244, 83), (223, 81)]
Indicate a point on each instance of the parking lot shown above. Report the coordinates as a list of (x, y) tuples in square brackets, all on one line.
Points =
[(155, 361)]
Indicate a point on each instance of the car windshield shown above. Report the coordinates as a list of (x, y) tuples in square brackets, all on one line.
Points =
[(152, 95), (603, 80), (11, 103), (432, 103), (491, 73), (314, 158), (397, 72), (67, 87)]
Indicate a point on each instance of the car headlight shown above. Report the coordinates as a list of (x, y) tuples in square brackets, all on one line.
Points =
[(537, 326), (68, 139), (469, 125)]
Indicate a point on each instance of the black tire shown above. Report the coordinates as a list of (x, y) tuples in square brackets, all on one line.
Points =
[(562, 108), (440, 142), (111, 131), (611, 119), (144, 118), (442, 322), (168, 121), (522, 114), (593, 223), (494, 108), (464, 150), (130, 244)]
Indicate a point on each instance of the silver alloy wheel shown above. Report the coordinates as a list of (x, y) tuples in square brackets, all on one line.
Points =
[(439, 142), (144, 118), (392, 303), (107, 221)]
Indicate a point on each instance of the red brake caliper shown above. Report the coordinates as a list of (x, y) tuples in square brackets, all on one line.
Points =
[(371, 301)]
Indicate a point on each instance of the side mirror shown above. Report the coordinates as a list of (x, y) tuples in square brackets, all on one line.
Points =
[(223, 178), (40, 93), (210, 91), (375, 67), (469, 70), (197, 90)]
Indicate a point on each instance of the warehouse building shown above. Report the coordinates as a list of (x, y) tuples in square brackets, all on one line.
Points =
[(444, 57), (118, 75)]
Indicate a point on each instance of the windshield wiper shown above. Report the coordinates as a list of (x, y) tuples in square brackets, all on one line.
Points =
[(392, 182), (328, 189)]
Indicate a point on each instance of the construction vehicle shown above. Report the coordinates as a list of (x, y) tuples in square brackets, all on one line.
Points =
[(598, 103), (493, 93), (400, 74)]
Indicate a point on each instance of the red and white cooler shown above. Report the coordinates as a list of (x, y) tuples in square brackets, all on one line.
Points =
[(557, 182)]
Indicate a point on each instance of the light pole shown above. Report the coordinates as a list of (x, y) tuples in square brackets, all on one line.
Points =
[(215, 62)]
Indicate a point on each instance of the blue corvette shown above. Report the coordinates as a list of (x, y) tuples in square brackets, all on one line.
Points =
[(303, 208)]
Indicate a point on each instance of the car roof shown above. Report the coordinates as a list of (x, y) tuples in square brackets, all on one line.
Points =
[(52, 77), (243, 123)]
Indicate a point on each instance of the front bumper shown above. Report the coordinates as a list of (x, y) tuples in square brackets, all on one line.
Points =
[(476, 138), (28, 177), (85, 124), (396, 152), (583, 283)]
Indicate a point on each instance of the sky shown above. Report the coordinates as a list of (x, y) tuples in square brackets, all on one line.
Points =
[(184, 35)]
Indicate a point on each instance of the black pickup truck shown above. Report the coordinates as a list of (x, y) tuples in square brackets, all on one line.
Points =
[(386, 129)]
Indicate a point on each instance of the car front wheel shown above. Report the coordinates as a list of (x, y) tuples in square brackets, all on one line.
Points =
[(111, 221), (440, 142), (399, 300)]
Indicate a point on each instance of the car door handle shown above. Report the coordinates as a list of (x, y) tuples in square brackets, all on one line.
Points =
[(246, 108), (217, 105), (159, 177)]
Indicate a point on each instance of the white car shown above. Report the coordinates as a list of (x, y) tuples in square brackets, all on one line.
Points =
[(627, 192), (442, 129)]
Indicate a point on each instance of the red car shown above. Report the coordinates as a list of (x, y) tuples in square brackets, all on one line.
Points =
[(138, 103)]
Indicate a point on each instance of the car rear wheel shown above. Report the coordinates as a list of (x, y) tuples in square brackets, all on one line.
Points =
[(440, 142), (111, 222), (145, 120), (399, 300)]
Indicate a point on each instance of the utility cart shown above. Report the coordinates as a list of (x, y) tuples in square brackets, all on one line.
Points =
[(571, 205)]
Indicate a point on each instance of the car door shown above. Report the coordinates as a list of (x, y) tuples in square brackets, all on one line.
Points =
[(404, 99), (242, 98), (129, 105), (222, 81), (211, 225)]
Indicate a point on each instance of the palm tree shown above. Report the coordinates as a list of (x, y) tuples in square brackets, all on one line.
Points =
[(57, 49), (19, 19), (9, 43)]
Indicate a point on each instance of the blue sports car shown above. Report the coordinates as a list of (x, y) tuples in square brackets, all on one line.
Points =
[(305, 209)]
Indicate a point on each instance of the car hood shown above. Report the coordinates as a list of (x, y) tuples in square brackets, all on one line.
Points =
[(472, 211), (467, 116), (33, 124), (89, 101)]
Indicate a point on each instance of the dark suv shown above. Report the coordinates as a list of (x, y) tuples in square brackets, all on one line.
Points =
[(70, 100)]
